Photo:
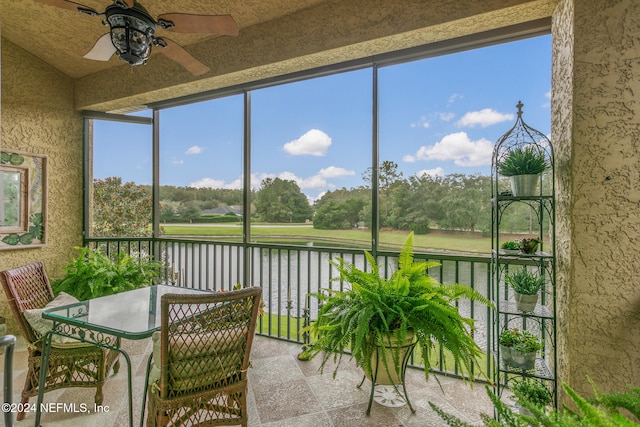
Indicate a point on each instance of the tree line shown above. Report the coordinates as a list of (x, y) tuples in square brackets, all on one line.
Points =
[(417, 203)]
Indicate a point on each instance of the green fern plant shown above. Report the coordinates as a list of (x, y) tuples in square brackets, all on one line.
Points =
[(376, 310), (93, 274), (603, 410)]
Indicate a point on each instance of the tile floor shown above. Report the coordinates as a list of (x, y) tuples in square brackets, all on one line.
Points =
[(283, 392)]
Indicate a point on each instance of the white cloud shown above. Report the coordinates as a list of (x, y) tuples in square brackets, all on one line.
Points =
[(485, 117), (447, 117), (177, 162), (208, 183), (335, 172), (256, 180), (194, 150), (457, 147), (317, 181), (431, 172), (423, 123), (313, 143), (547, 104), (453, 98), (409, 158)]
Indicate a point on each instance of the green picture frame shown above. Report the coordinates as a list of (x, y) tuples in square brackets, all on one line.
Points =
[(23, 200)]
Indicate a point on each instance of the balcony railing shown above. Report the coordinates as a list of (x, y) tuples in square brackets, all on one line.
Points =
[(289, 275)]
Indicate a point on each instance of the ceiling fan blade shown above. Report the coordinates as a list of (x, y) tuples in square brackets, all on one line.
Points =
[(102, 50), (201, 24), (69, 5), (176, 52)]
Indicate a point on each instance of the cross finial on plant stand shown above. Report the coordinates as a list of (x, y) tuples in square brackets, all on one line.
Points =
[(519, 105)]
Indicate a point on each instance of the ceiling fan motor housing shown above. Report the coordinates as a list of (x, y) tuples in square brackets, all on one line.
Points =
[(132, 32)]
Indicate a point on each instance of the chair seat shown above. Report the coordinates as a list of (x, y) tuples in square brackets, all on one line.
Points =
[(200, 358)]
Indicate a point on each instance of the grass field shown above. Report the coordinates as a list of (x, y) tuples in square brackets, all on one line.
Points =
[(296, 234)]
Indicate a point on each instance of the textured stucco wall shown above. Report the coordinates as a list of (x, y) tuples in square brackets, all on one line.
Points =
[(38, 117), (596, 130), (561, 117)]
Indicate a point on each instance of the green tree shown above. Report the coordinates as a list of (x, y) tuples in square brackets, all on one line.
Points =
[(467, 200), (338, 215), (188, 211), (389, 180), (120, 210), (167, 213), (280, 200)]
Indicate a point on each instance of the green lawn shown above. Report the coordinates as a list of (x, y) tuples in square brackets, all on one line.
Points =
[(301, 233)]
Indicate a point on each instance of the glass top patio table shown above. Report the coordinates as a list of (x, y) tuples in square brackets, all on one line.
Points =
[(131, 315)]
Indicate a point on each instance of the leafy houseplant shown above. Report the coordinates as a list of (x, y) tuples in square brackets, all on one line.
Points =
[(528, 245), (523, 165), (510, 247), (519, 348), (530, 390), (93, 274), (526, 285), (410, 306)]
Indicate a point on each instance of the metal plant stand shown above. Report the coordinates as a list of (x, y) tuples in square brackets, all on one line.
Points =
[(541, 321), (392, 388)]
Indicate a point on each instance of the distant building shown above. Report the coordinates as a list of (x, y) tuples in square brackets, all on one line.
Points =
[(223, 210)]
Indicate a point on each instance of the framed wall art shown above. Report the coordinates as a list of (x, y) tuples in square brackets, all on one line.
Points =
[(23, 200)]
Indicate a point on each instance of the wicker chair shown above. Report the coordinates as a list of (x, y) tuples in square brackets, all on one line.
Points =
[(201, 357), (70, 365)]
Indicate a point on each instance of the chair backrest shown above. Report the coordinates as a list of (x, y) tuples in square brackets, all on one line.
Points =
[(26, 287), (205, 340)]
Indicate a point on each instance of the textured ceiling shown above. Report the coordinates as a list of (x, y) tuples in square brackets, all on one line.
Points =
[(62, 37), (276, 37)]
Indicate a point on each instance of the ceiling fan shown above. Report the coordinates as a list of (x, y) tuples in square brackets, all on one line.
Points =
[(132, 32)]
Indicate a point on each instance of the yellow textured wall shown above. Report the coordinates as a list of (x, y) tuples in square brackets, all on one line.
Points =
[(596, 131), (38, 117)]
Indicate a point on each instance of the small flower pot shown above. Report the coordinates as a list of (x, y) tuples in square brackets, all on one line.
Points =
[(510, 251), (526, 303), (505, 353), (521, 360), (529, 245), (524, 185)]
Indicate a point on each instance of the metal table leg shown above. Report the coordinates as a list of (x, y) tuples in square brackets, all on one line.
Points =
[(44, 363), (8, 341)]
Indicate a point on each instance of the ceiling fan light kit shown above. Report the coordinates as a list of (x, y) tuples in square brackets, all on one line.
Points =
[(132, 32)]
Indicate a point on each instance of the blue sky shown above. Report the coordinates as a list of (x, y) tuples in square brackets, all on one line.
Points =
[(438, 116)]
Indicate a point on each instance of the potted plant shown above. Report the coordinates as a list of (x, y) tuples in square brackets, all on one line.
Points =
[(532, 391), (519, 348), (93, 274), (529, 245), (523, 165), (510, 247), (525, 284), (408, 308)]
